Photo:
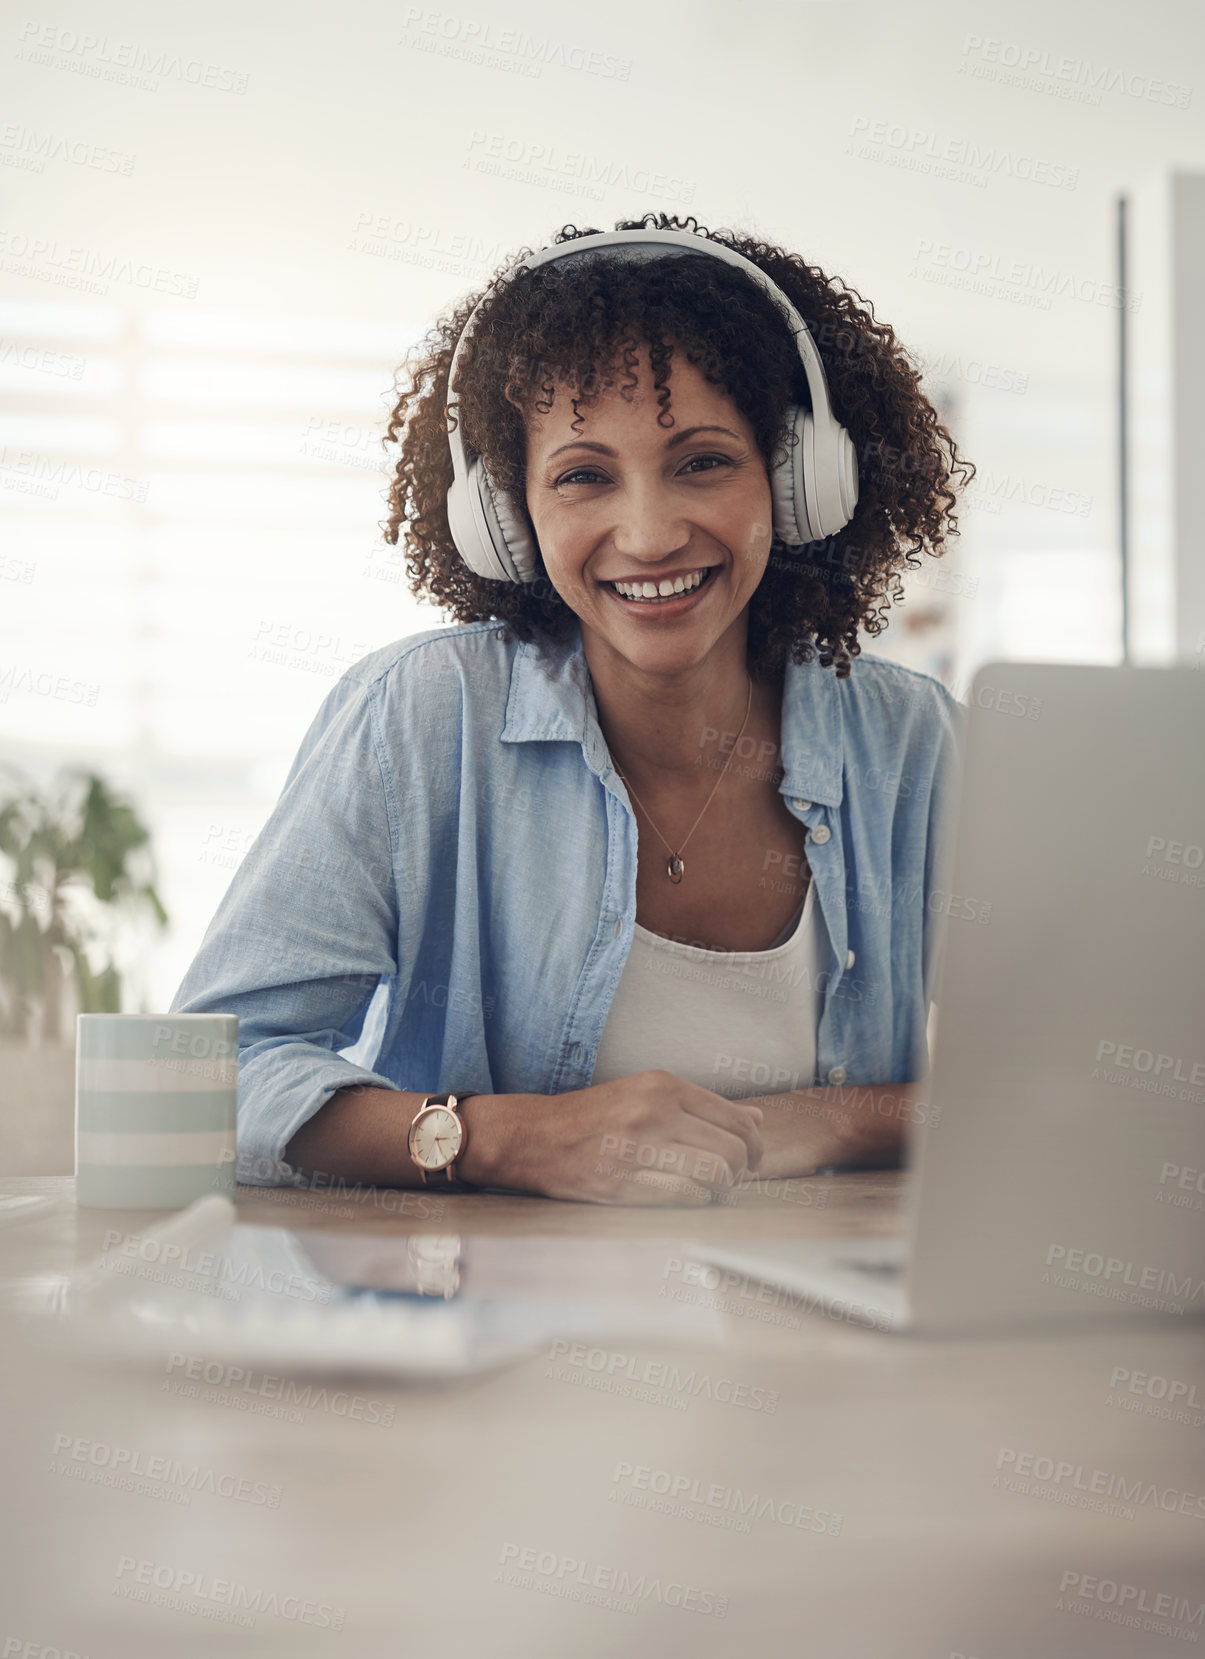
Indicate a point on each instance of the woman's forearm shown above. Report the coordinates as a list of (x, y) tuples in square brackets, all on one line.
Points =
[(360, 1135)]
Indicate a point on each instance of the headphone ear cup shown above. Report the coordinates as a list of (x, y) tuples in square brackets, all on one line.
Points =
[(484, 529), (508, 526), (847, 473), (466, 522), (807, 506), (788, 487)]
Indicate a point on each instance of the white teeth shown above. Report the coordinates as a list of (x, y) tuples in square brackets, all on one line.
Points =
[(655, 592)]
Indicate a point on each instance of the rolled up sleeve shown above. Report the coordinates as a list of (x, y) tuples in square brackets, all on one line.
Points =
[(305, 934)]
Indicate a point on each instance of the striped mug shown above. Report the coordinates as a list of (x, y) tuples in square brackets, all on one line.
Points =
[(156, 1099)]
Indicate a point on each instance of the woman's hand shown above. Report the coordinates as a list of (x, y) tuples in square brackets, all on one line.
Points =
[(651, 1138), (862, 1127)]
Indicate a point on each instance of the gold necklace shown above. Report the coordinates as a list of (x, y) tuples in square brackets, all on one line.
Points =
[(676, 868)]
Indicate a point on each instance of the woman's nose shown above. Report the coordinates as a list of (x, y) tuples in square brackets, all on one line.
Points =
[(648, 522)]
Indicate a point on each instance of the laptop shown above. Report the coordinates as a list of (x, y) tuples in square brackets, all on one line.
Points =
[(1061, 1174)]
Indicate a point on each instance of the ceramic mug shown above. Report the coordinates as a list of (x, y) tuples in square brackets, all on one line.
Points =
[(156, 1101)]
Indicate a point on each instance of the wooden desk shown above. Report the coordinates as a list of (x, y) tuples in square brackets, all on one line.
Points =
[(411, 1510)]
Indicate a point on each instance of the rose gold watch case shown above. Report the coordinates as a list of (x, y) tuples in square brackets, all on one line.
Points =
[(444, 1104)]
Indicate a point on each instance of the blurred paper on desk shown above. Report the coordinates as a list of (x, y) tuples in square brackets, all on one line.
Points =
[(418, 1305)]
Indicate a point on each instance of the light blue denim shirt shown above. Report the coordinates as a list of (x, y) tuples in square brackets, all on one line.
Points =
[(444, 894)]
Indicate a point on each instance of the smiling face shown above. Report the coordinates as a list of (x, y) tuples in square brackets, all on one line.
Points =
[(625, 498)]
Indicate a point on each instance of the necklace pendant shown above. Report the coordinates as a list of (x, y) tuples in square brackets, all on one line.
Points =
[(674, 869)]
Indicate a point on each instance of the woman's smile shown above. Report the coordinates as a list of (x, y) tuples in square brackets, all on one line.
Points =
[(664, 606)]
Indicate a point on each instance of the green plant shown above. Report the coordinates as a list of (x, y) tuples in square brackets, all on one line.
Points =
[(80, 844)]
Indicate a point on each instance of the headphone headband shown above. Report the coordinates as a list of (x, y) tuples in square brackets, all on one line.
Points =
[(814, 491)]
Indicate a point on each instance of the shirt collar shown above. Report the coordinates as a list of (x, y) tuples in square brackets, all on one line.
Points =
[(552, 700)]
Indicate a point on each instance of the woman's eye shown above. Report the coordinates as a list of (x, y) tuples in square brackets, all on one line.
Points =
[(591, 473)]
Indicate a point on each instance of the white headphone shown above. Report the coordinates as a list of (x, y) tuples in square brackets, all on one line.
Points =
[(814, 488)]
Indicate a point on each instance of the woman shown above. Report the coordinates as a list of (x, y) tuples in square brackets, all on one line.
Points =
[(645, 881)]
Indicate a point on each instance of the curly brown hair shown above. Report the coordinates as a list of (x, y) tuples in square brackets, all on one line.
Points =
[(567, 320)]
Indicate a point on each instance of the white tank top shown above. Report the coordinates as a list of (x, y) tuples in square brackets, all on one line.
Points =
[(736, 1022)]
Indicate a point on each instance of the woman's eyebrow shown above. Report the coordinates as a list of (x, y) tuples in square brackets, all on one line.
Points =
[(670, 443)]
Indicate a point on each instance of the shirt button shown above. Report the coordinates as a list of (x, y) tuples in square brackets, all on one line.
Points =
[(837, 1075), (849, 960), (801, 806), (821, 834), (618, 926)]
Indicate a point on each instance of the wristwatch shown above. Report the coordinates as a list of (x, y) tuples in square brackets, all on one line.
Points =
[(438, 1137)]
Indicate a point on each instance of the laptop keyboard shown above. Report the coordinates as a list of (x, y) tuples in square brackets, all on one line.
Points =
[(884, 1269)]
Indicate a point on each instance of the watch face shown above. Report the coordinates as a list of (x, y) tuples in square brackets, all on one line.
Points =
[(435, 1137)]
